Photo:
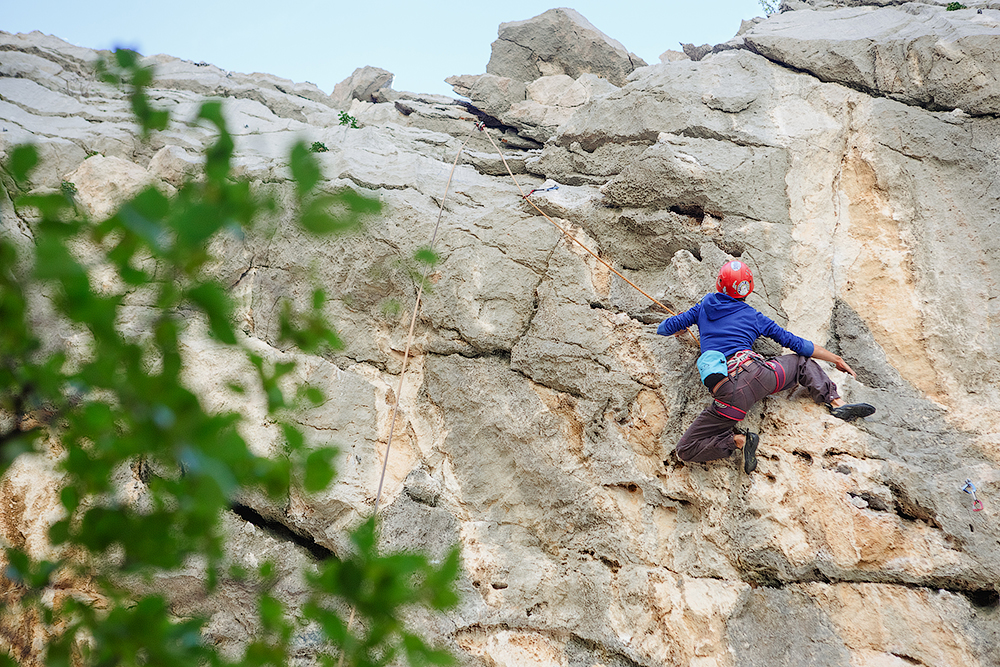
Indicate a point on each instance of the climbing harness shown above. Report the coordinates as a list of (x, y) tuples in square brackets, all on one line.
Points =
[(740, 359), (970, 488), (570, 236)]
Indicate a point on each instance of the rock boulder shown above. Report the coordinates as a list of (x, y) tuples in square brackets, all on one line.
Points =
[(559, 41), (362, 85)]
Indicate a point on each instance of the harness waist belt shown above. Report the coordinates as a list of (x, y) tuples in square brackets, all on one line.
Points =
[(739, 359)]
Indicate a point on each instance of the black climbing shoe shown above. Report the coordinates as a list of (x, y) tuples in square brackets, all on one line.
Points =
[(750, 451), (851, 411)]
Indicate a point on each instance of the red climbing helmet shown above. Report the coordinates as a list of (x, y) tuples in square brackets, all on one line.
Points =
[(735, 279)]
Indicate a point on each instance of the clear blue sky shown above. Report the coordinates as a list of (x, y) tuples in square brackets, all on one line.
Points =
[(323, 42)]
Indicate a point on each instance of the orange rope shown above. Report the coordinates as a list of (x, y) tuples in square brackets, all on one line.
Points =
[(574, 239), (406, 358), (416, 309), (409, 337)]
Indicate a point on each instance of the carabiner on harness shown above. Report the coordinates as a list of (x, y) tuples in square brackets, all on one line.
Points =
[(970, 488)]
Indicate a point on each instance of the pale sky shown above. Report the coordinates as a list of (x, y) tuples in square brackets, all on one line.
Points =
[(422, 43)]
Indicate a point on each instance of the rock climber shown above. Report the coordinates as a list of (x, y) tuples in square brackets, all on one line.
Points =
[(738, 377)]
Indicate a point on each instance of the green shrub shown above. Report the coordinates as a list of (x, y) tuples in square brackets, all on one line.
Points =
[(124, 403), (348, 120), (955, 6), (68, 189), (318, 147)]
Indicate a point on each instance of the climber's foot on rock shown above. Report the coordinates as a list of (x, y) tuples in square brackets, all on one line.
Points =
[(851, 411), (750, 451)]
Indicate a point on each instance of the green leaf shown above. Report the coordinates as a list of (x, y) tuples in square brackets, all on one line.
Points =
[(143, 216), (18, 566), (126, 58), (70, 498), (441, 582), (271, 612), (293, 437), (305, 168), (319, 469), (314, 395), (418, 653), (23, 159), (427, 256), (216, 304), (364, 536), (360, 205), (219, 154), (15, 445), (316, 216), (59, 532)]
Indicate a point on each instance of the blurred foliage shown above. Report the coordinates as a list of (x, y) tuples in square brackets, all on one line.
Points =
[(122, 403), (769, 6), (68, 189)]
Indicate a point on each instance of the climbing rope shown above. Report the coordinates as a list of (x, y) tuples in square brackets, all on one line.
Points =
[(570, 236), (406, 359), (420, 288), (413, 321)]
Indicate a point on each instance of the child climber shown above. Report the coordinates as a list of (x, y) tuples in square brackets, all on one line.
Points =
[(738, 377)]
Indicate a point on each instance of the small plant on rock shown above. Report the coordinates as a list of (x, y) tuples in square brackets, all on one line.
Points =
[(68, 189), (348, 120), (769, 6), (955, 6), (318, 147)]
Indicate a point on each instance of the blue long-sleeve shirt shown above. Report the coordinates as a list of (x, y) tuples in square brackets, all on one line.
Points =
[(729, 325)]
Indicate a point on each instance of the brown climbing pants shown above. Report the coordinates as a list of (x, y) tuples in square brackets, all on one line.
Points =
[(710, 436)]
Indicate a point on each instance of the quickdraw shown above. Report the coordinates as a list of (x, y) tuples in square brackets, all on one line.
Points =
[(554, 187), (573, 239), (970, 488)]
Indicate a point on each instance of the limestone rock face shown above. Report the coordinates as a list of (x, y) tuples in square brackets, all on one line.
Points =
[(104, 183), (540, 410), (173, 165), (916, 53), (559, 41)]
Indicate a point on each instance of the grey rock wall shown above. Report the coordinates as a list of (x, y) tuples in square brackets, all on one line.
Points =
[(540, 410), (917, 53)]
